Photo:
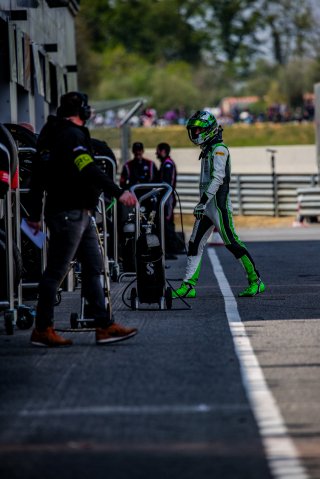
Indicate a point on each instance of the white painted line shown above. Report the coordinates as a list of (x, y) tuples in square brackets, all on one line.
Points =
[(134, 410), (282, 455)]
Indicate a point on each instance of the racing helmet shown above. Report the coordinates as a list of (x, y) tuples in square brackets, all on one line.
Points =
[(205, 120)]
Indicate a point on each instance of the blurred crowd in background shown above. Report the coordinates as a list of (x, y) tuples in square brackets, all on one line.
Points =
[(231, 111)]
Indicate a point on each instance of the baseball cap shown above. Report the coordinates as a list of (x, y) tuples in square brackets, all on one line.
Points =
[(137, 146)]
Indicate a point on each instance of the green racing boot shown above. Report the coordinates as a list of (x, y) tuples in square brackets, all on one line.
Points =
[(255, 287), (186, 290)]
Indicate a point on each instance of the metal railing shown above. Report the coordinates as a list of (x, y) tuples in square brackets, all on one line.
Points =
[(252, 194), (308, 202)]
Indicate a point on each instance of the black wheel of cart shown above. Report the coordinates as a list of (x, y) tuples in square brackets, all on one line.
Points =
[(74, 317), (134, 299), (115, 273), (58, 297), (17, 267), (25, 317), (8, 322), (168, 298)]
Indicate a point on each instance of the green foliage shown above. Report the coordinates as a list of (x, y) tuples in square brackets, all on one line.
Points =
[(88, 61), (123, 75), (189, 54), (172, 86), (154, 30)]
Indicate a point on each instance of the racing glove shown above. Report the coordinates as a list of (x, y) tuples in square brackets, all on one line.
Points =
[(200, 208)]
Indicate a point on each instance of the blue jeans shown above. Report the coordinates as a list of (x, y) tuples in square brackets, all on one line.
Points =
[(72, 234)]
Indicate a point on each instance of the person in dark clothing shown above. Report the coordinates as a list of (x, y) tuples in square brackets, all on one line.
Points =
[(168, 174), (136, 171), (139, 169), (64, 168)]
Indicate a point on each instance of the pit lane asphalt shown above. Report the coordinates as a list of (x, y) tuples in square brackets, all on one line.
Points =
[(170, 403)]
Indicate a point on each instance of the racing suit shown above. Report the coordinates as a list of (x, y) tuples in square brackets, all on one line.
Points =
[(64, 168), (214, 193)]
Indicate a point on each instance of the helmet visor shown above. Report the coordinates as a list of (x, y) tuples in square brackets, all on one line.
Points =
[(196, 133)]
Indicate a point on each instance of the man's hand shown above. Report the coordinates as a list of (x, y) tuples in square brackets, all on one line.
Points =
[(128, 199), (199, 210), (35, 225)]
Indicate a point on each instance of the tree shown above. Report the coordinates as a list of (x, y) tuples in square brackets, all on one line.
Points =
[(88, 61), (173, 88), (292, 28), (157, 30), (186, 53), (231, 27)]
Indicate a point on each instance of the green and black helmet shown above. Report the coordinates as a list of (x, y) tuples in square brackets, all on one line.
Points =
[(208, 124)]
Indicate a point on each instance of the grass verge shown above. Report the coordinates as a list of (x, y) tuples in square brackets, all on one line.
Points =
[(260, 134)]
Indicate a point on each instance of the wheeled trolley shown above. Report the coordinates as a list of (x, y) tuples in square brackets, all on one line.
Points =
[(108, 166), (84, 319), (150, 248), (15, 313)]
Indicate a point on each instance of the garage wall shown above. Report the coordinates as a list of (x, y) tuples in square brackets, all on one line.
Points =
[(37, 57)]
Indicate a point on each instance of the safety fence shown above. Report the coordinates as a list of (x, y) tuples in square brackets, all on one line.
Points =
[(252, 194)]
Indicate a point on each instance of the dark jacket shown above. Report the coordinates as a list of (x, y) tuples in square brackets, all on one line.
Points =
[(168, 174), (138, 171), (65, 169)]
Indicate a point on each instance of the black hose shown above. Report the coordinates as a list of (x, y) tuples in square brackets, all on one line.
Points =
[(129, 306), (179, 297), (181, 220)]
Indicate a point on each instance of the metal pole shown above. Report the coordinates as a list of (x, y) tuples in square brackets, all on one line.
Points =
[(274, 182), (125, 140), (317, 124), (240, 208), (114, 208)]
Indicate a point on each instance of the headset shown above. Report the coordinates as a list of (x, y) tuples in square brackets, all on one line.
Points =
[(69, 107), (85, 108)]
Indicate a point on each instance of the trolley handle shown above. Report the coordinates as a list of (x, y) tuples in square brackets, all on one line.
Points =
[(165, 197), (151, 193), (155, 188)]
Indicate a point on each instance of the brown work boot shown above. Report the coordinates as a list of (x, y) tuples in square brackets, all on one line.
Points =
[(48, 338), (114, 332)]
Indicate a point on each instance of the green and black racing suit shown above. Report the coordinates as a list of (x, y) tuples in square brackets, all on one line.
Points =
[(214, 187)]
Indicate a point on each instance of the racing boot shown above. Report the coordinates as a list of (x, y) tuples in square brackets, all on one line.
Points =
[(256, 285), (186, 290)]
